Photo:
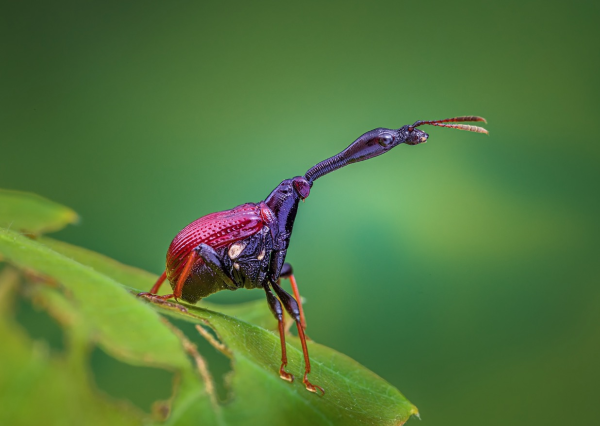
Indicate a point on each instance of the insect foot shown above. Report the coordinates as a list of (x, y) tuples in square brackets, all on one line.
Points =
[(312, 388), (162, 300), (285, 375)]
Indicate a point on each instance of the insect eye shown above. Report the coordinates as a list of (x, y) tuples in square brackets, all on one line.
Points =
[(302, 187), (385, 140)]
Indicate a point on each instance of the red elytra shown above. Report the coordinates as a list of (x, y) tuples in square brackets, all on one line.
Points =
[(217, 230)]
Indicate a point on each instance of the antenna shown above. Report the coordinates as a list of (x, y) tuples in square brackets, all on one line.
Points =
[(466, 127)]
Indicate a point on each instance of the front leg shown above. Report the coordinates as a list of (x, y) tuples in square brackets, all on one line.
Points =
[(212, 260)]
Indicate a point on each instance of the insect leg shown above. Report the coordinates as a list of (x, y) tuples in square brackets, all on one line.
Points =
[(185, 274), (288, 272), (212, 260), (291, 306), (180, 281), (158, 283), (154, 290), (275, 307)]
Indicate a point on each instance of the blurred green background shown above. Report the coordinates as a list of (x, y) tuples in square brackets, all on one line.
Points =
[(464, 271)]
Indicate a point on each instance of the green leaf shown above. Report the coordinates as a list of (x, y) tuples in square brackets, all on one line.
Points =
[(354, 395), (38, 387), (133, 332), (126, 328), (138, 280), (32, 214)]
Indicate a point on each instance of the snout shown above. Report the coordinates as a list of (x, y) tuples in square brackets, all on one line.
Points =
[(416, 137)]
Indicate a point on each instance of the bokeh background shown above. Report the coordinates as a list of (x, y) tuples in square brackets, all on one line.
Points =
[(464, 271)]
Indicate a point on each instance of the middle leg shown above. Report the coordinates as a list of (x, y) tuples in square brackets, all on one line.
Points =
[(275, 307), (293, 309)]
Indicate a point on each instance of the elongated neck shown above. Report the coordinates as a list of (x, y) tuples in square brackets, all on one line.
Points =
[(361, 149)]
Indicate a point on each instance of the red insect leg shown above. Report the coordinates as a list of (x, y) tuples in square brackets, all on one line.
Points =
[(185, 274), (309, 386), (275, 306), (288, 272), (282, 373), (180, 282), (298, 299), (290, 305), (152, 295), (159, 281)]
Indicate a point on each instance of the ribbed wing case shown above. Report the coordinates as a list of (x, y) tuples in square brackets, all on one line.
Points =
[(217, 230)]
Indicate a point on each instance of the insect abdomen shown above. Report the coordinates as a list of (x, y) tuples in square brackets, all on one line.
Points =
[(216, 230)]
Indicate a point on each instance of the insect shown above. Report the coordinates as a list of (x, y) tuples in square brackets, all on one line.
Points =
[(245, 247)]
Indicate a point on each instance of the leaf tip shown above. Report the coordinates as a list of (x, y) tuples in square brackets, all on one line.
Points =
[(414, 411)]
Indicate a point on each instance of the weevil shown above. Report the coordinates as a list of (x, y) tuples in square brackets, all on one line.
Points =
[(245, 247)]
